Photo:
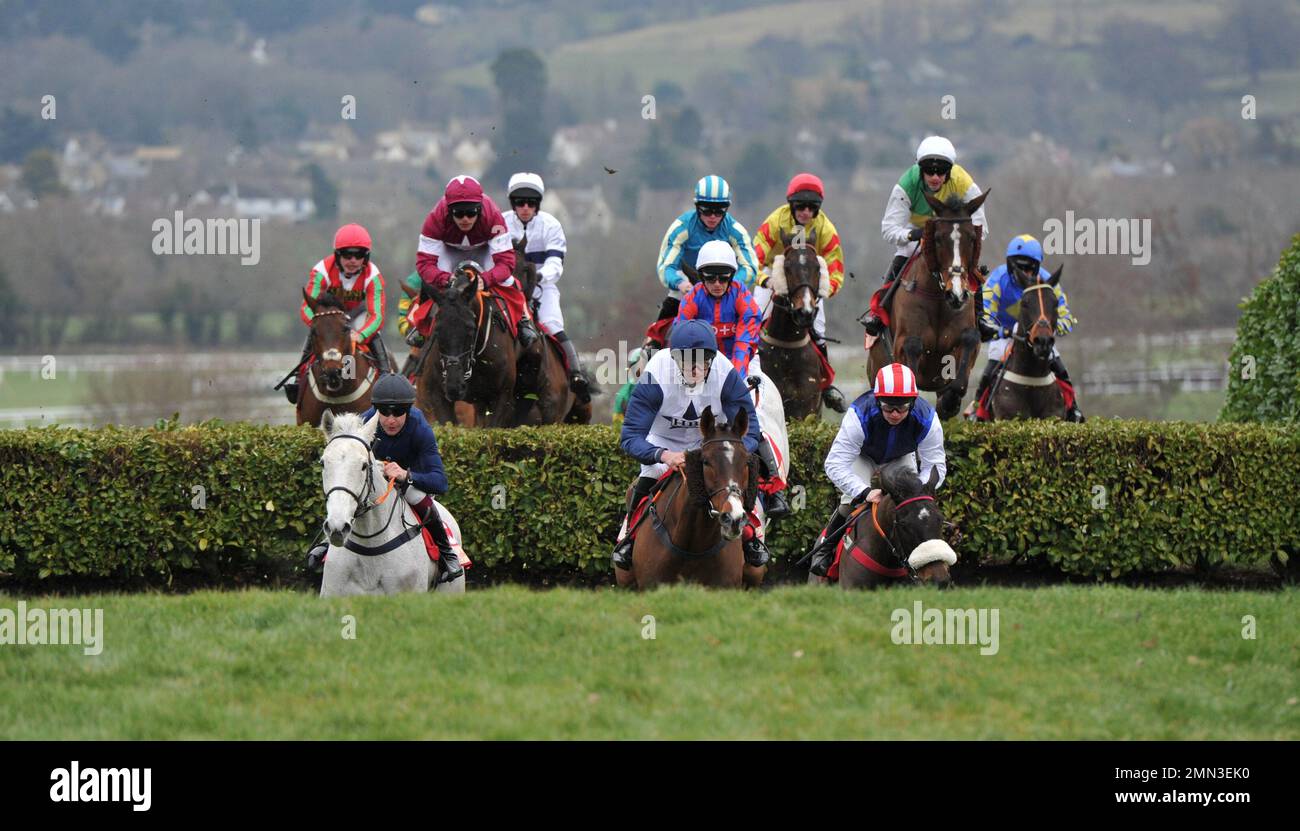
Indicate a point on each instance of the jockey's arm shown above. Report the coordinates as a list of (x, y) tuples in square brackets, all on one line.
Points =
[(404, 302), (844, 453), (503, 260), (931, 453), (765, 241), (833, 253), (897, 223), (374, 322), (749, 320), (428, 259), (1065, 319), (747, 274), (427, 471), (978, 217), (735, 396), (556, 247), (315, 285), (642, 408), (690, 305), (670, 255)]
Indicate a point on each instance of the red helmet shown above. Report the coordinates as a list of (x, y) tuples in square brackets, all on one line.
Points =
[(463, 189), (895, 381), (806, 186), (352, 236)]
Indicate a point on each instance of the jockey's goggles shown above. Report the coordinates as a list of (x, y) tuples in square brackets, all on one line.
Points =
[(462, 211), (722, 275), (525, 202), (689, 359), (815, 207), (1025, 263), (354, 253), (391, 410), (711, 208), (933, 167), (895, 409)]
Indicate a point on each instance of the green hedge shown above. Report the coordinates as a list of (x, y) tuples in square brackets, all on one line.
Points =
[(1264, 370), (543, 504)]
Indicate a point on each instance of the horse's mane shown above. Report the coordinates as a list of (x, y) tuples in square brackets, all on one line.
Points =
[(329, 300)]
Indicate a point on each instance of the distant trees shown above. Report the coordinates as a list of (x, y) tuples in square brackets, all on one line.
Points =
[(41, 174), (21, 133), (1260, 34), (522, 140)]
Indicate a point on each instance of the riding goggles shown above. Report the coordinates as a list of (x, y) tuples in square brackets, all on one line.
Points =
[(815, 207), (354, 253), (391, 410), (525, 202), (721, 276), (707, 209), (936, 168), (462, 211)]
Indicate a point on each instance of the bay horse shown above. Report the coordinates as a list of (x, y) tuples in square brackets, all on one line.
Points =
[(1026, 386), (696, 517), (932, 322), (897, 538), (375, 542), (339, 376), (786, 352)]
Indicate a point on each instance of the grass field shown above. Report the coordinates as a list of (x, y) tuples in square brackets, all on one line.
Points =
[(1072, 662)]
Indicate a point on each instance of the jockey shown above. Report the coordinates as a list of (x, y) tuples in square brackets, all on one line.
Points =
[(936, 172), (466, 224), (1002, 294), (887, 423), (803, 209), (686, 235), (405, 327), (349, 275), (545, 249), (662, 420), (730, 309), (636, 360), (406, 445)]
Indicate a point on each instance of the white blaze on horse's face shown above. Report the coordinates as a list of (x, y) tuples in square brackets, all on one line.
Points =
[(733, 518), (956, 270)]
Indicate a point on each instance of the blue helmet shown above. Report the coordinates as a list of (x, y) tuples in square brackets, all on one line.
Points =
[(1025, 246), (693, 334), (713, 189)]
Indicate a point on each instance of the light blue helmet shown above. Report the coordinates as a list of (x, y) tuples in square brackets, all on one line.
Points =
[(1025, 246), (713, 189), (693, 334)]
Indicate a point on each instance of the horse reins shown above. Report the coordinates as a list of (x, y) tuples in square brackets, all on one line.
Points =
[(905, 568), (470, 356)]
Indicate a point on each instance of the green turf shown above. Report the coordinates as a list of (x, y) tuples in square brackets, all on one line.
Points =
[(1073, 662), (23, 389)]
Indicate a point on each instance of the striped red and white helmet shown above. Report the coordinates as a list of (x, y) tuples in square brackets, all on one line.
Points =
[(895, 381)]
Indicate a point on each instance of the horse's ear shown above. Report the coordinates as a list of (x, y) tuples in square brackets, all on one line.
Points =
[(933, 482), (935, 204), (521, 244), (974, 205), (327, 423), (368, 429), (811, 240), (741, 425), (1056, 276), (708, 424), (690, 272), (470, 289), (785, 239), (309, 300)]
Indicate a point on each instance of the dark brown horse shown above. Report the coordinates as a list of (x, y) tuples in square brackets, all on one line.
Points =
[(786, 352), (340, 375), (468, 374), (1026, 387), (555, 402), (898, 538), (932, 319), (692, 529)]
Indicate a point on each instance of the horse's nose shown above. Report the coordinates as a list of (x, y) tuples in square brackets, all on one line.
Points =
[(338, 535)]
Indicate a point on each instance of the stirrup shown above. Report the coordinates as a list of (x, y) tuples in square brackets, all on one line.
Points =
[(623, 553), (446, 572)]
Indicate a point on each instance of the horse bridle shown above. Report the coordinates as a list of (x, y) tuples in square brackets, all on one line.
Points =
[(470, 356), (368, 490), (889, 538), (325, 313), (931, 254), (731, 488), (1027, 337)]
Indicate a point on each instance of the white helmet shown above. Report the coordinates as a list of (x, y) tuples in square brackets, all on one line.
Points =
[(936, 147), (526, 182), (715, 253)]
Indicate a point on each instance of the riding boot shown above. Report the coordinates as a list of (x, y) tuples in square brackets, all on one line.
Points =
[(528, 333), (986, 378), (874, 325), (316, 554), (447, 558), (773, 503), (623, 551), (1058, 369), (822, 555), (291, 386), (756, 553), (380, 353), (577, 378), (831, 396)]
